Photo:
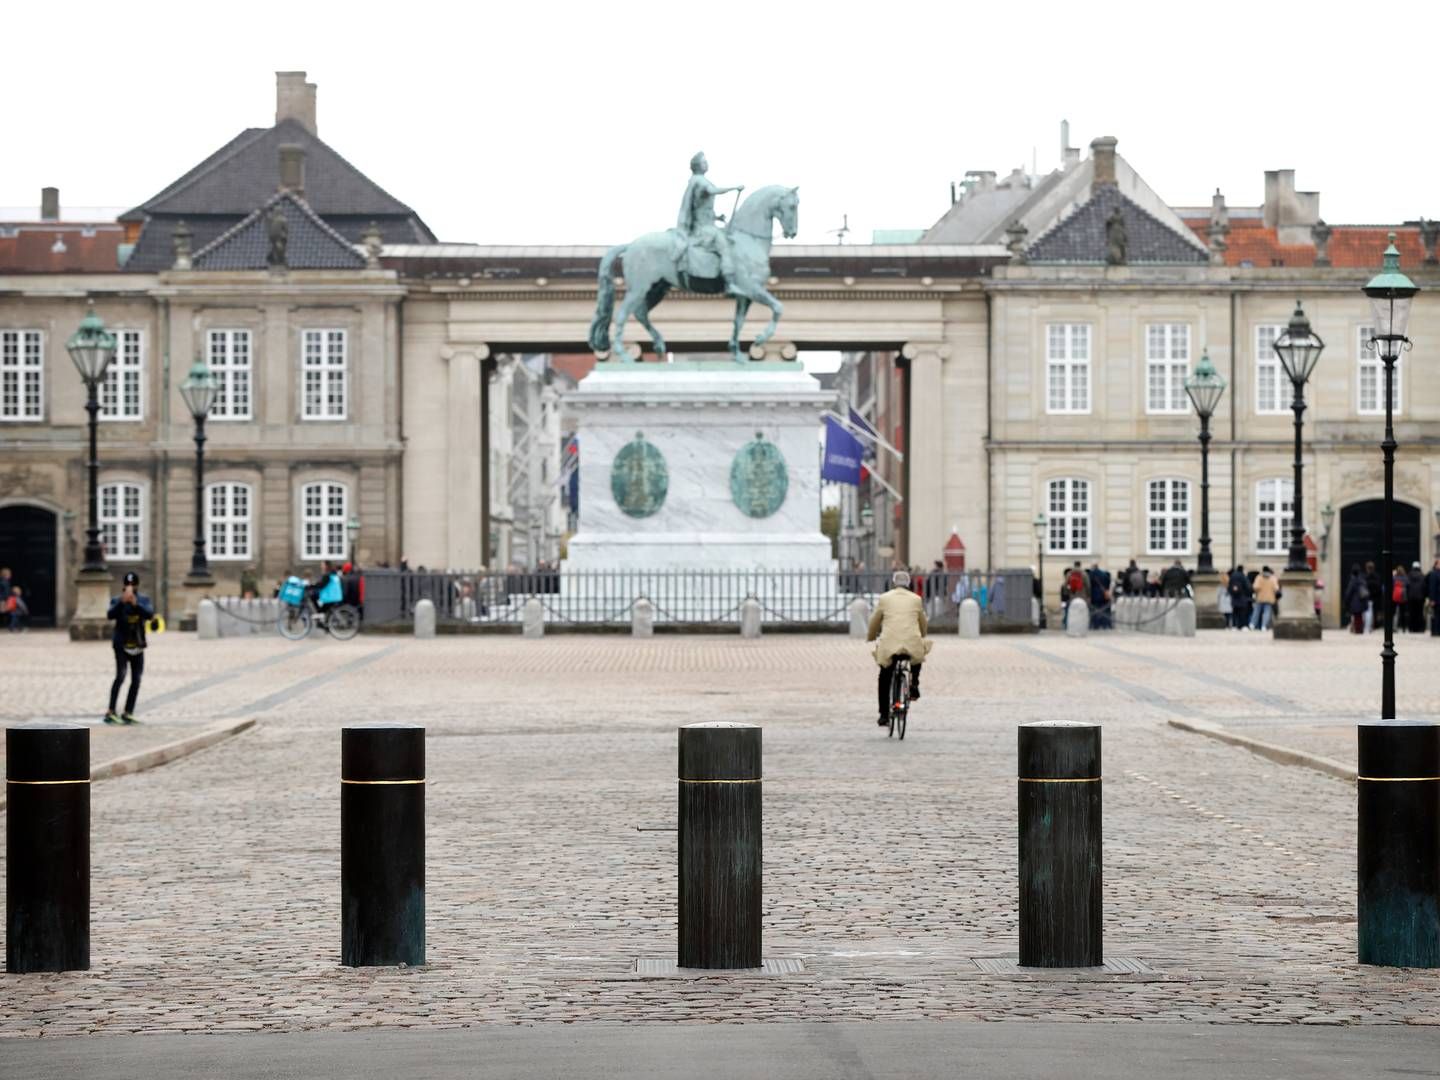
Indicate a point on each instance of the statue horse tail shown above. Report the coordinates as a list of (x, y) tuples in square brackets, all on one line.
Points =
[(605, 300)]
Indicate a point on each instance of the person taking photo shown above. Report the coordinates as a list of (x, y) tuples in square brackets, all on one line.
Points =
[(131, 610)]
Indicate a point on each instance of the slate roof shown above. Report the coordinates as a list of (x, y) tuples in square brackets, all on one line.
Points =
[(310, 243), (1080, 238)]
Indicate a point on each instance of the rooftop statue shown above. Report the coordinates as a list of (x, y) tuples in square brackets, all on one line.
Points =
[(700, 257)]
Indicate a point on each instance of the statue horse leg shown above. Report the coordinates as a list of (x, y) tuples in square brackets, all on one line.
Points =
[(633, 302), (776, 310), (653, 296), (742, 308)]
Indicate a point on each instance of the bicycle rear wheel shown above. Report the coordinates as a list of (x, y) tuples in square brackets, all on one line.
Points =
[(294, 622), (899, 685), (344, 622)]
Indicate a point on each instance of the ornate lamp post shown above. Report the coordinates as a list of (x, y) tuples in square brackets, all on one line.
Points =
[(1298, 348), (92, 347), (199, 390), (1039, 525), (352, 530), (1390, 293), (1205, 389)]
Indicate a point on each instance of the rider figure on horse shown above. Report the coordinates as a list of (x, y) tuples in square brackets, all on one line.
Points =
[(697, 219)]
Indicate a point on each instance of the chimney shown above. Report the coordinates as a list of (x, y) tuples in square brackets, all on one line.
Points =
[(49, 204), (295, 99), (292, 169), (1219, 229), (1069, 155), (1102, 153)]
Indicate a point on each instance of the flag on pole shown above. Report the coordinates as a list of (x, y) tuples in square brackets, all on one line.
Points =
[(843, 454)]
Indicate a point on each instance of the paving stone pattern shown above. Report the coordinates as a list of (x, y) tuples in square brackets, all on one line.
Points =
[(890, 867)]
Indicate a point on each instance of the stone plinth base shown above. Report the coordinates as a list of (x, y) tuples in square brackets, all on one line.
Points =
[(1207, 610), (92, 603), (1296, 621)]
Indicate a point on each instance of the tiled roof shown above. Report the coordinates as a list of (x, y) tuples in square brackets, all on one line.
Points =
[(32, 248), (310, 243), (1080, 238), (1250, 243)]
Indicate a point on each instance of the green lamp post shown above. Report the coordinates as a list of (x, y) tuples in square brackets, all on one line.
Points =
[(199, 390), (1205, 388), (92, 347)]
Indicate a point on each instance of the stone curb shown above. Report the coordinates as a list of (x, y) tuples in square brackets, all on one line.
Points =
[(163, 755), (1283, 755)]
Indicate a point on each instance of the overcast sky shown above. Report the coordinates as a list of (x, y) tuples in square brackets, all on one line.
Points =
[(573, 123)]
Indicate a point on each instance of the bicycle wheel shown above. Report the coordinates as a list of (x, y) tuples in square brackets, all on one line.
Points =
[(294, 622), (343, 622), (898, 678), (900, 711)]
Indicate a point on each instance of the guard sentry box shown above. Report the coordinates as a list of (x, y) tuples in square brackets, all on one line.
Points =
[(292, 592)]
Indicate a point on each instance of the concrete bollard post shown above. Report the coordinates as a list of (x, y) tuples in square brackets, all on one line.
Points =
[(207, 621), (1398, 795), (47, 848), (1077, 621), (720, 846), (382, 845), (969, 618), (1034, 612), (750, 618), (1060, 845), (1170, 621), (1185, 618), (859, 618), (642, 618), (425, 618), (534, 619)]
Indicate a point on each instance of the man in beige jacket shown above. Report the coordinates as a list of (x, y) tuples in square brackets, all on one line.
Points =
[(898, 629)]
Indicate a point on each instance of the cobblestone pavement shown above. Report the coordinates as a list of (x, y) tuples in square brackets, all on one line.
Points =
[(889, 866)]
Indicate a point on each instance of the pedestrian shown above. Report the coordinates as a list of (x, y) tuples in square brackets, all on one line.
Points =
[(1134, 579), (1175, 582), (131, 610), (1076, 586), (1240, 598), (6, 581), (1399, 588), (1099, 597), (1357, 599), (1373, 587), (1223, 602), (16, 610), (1415, 597), (1432, 593), (1267, 592)]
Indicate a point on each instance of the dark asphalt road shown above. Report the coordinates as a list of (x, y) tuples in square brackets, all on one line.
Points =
[(800, 1051)]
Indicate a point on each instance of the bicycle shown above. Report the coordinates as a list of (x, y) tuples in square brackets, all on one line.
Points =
[(899, 696), (341, 622)]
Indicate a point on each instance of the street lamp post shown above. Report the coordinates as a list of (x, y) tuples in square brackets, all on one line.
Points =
[(1040, 525), (352, 530), (92, 347), (198, 390), (1390, 293), (1298, 348), (1205, 388)]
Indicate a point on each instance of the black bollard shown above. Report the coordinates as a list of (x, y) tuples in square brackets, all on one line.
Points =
[(47, 848), (1060, 897), (382, 845), (1398, 843), (720, 848)]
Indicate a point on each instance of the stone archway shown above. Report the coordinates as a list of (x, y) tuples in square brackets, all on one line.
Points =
[(1361, 525), (28, 546)]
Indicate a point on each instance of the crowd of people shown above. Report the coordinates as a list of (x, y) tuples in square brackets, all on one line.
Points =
[(1101, 588), (1411, 592)]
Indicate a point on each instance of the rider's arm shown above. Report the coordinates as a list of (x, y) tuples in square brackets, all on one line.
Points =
[(924, 622), (876, 618)]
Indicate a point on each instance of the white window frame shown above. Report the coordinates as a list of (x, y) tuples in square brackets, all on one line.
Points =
[(328, 539), (122, 530), (324, 381), (1069, 349), (235, 376), (1368, 362), (122, 393), (1271, 493), (1167, 356), (1069, 503), (22, 375), (229, 535), (1172, 513), (1266, 360)]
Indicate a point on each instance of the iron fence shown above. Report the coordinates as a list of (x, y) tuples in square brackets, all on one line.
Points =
[(683, 597)]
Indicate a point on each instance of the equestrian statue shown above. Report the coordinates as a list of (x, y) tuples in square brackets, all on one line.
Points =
[(700, 257)]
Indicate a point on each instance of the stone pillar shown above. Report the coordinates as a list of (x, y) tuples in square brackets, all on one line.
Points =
[(1077, 623), (1185, 618), (859, 618), (207, 621), (1170, 624), (642, 618), (534, 619), (750, 618), (425, 619), (1295, 618), (1207, 609), (467, 456), (925, 456), (93, 592), (969, 618)]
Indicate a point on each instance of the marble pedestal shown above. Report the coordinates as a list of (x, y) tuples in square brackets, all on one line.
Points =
[(93, 591), (1295, 620), (1207, 601)]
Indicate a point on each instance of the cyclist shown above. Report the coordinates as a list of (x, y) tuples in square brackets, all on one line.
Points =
[(327, 589), (898, 629)]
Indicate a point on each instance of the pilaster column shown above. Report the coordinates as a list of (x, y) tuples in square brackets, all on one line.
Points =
[(466, 456), (925, 528)]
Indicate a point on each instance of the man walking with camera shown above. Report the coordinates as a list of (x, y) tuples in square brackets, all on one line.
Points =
[(131, 610)]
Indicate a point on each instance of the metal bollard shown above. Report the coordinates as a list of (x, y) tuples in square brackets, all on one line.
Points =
[(720, 846), (1398, 843), (47, 848), (1060, 879), (382, 845)]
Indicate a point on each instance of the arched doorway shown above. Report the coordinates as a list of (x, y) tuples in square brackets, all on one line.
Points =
[(27, 547), (1361, 526)]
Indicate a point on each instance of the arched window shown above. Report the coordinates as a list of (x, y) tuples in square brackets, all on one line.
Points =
[(122, 521), (322, 520), (1274, 510), (227, 520), (1167, 517), (1068, 514)]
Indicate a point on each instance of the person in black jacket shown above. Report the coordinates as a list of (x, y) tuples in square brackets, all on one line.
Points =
[(131, 611), (1241, 595)]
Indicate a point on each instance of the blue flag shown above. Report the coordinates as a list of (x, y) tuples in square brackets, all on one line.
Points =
[(858, 421), (843, 454)]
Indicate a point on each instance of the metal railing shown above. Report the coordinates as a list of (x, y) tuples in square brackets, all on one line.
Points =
[(682, 597)]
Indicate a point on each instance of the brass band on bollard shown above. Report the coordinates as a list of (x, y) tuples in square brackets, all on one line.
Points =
[(47, 847)]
